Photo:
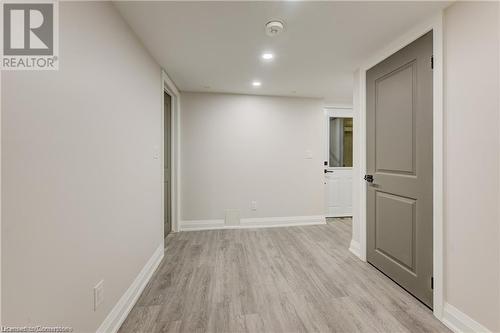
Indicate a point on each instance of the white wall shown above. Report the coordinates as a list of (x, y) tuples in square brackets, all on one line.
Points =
[(471, 76), (240, 148), (81, 191)]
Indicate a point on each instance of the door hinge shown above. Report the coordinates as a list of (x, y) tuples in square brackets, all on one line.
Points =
[(432, 62), (432, 282)]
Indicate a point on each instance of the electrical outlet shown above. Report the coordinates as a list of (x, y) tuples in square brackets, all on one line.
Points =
[(253, 205), (98, 294)]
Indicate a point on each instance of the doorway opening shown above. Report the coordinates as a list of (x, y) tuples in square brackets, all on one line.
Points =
[(167, 163)]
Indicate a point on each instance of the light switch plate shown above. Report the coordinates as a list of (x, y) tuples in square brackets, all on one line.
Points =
[(98, 294), (309, 154), (156, 152)]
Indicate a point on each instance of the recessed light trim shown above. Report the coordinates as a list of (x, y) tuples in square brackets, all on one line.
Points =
[(267, 56), (256, 83)]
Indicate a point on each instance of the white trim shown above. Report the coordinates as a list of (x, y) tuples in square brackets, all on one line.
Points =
[(341, 168), (121, 310), (288, 221), (337, 106), (438, 168), (435, 24), (338, 112), (459, 322), (498, 23), (359, 121), (169, 86), (0, 200), (355, 248), (192, 225), (339, 215), (259, 222)]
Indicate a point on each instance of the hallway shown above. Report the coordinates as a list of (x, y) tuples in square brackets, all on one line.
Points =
[(273, 280)]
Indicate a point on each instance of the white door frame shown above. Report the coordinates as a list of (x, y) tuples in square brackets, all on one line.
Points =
[(359, 122), (169, 87)]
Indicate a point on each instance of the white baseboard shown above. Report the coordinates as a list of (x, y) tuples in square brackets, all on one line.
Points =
[(191, 225), (121, 310), (459, 322), (340, 215), (260, 222), (355, 248)]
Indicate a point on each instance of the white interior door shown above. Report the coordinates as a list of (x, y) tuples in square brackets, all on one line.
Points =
[(338, 162)]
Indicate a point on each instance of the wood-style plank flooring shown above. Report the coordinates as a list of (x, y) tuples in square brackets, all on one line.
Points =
[(296, 279)]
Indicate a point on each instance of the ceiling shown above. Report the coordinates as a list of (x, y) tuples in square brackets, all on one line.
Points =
[(216, 46)]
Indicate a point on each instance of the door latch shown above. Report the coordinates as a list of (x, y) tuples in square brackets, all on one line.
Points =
[(369, 178), (328, 171)]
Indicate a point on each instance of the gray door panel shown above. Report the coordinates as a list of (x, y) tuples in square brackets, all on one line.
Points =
[(399, 156)]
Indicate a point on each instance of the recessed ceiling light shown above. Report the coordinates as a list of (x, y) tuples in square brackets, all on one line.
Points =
[(256, 83), (267, 56)]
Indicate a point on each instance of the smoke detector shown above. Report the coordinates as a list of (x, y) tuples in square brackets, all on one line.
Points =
[(274, 28)]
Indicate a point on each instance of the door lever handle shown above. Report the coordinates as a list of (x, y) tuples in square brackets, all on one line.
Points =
[(369, 178), (328, 171)]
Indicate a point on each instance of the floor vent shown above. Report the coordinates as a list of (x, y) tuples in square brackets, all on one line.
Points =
[(232, 217)]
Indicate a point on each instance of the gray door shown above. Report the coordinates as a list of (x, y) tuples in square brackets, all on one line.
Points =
[(399, 159), (167, 164)]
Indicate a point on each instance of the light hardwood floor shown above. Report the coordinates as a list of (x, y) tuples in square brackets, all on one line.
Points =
[(295, 279)]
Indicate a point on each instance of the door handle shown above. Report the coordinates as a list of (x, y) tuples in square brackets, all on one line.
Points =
[(328, 171), (369, 178)]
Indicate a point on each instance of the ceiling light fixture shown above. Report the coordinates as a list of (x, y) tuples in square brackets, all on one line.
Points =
[(256, 83), (267, 56)]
